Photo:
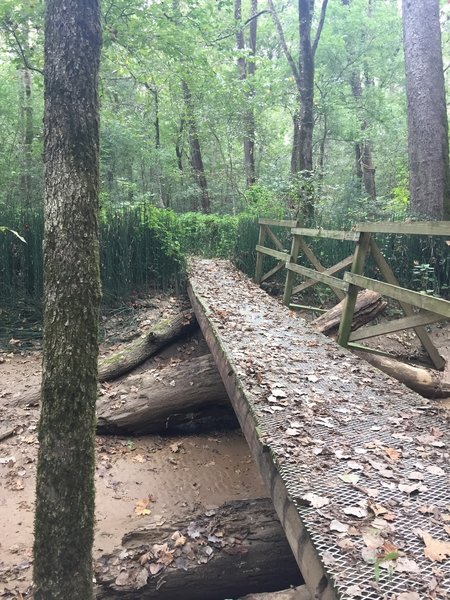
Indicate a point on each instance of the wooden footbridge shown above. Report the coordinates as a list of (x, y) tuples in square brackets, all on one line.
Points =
[(357, 465)]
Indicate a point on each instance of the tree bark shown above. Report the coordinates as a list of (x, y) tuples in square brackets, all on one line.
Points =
[(429, 181), (238, 549), (188, 393), (369, 305), (195, 150), (64, 521)]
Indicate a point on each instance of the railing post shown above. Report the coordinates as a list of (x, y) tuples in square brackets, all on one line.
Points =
[(290, 275), (259, 255), (388, 274), (345, 325)]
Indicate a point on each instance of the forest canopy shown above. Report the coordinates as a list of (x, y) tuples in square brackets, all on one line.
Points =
[(255, 107)]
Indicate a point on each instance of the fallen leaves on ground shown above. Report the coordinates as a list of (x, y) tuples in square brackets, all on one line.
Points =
[(142, 506)]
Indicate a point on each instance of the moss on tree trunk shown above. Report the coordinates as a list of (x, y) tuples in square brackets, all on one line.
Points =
[(65, 479)]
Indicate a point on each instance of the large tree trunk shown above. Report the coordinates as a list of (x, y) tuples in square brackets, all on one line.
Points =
[(187, 394), (64, 521), (237, 549), (427, 112)]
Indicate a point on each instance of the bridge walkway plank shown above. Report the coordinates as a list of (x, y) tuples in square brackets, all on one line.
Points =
[(356, 464)]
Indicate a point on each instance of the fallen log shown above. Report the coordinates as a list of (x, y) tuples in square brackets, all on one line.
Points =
[(423, 381), (369, 305), (186, 393), (161, 335), (237, 549)]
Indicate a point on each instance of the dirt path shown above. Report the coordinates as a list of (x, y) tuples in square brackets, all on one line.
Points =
[(169, 476)]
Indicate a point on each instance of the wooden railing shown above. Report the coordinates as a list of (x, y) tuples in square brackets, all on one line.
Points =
[(432, 308), (280, 253)]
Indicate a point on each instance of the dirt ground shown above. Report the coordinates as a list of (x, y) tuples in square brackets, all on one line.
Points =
[(176, 476)]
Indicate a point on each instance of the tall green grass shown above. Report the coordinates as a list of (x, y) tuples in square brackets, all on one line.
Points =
[(145, 248)]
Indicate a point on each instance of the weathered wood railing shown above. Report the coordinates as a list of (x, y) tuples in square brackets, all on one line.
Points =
[(280, 253), (433, 308)]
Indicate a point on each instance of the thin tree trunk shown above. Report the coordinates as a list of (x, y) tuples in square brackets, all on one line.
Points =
[(163, 200), (27, 120), (321, 160), (179, 146), (196, 154), (364, 168), (64, 521), (295, 154), (306, 69), (303, 73), (429, 181), (249, 116)]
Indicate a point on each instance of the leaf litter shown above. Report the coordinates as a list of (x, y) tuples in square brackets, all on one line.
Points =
[(356, 437)]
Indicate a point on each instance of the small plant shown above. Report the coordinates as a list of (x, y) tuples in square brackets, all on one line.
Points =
[(390, 556), (424, 277)]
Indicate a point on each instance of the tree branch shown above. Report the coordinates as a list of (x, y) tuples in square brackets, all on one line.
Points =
[(320, 26), (250, 19), (21, 51), (228, 35), (279, 28)]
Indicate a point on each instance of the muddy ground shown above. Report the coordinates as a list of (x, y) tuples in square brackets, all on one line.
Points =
[(175, 476)]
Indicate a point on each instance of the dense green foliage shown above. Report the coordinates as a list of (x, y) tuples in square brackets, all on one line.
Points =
[(141, 248), (149, 50)]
